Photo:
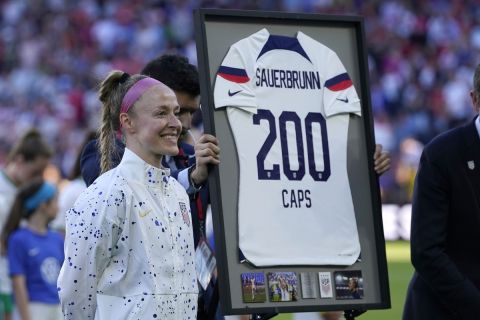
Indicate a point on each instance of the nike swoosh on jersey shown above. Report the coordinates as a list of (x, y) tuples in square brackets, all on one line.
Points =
[(343, 100), (231, 94)]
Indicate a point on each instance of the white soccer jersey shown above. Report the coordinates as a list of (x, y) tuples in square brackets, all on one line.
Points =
[(289, 100)]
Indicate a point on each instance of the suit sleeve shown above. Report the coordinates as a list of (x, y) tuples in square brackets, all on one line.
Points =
[(89, 245), (430, 214)]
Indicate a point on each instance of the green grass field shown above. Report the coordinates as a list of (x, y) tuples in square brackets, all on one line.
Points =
[(400, 271)]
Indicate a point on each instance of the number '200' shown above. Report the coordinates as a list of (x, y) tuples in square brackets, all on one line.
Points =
[(289, 116)]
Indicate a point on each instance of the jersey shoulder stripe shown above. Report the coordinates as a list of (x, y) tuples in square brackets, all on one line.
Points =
[(338, 83), (233, 74)]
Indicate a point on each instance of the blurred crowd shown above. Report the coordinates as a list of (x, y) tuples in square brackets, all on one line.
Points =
[(53, 52)]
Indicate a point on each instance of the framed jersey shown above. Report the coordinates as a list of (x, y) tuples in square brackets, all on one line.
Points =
[(287, 95)]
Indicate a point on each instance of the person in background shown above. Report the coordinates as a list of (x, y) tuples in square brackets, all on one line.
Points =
[(135, 256), (445, 223), (35, 253), (26, 161)]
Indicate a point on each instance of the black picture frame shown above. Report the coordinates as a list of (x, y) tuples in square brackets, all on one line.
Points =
[(373, 261)]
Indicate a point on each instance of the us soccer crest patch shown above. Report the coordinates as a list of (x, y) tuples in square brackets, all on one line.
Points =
[(471, 165), (185, 213)]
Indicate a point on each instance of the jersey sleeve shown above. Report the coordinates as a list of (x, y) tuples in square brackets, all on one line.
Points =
[(17, 256), (339, 94), (233, 83)]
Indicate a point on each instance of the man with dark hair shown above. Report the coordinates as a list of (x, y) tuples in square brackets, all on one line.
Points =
[(176, 72), (445, 224)]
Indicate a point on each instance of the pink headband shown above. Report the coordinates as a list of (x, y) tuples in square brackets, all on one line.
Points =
[(136, 92)]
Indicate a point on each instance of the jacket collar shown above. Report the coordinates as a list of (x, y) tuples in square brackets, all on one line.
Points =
[(136, 169)]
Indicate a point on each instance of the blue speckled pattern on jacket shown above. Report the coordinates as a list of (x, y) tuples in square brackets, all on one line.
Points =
[(129, 248)]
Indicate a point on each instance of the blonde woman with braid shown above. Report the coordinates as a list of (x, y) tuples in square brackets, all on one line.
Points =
[(129, 244)]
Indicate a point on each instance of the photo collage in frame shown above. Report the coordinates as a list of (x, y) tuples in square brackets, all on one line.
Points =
[(287, 286), (293, 284)]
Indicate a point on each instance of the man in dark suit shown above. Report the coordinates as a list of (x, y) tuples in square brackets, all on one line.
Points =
[(445, 246)]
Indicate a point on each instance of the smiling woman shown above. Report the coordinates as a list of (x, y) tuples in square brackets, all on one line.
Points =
[(151, 128), (129, 243), (144, 111)]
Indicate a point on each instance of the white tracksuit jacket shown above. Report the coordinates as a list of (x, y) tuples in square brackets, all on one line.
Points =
[(129, 248)]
